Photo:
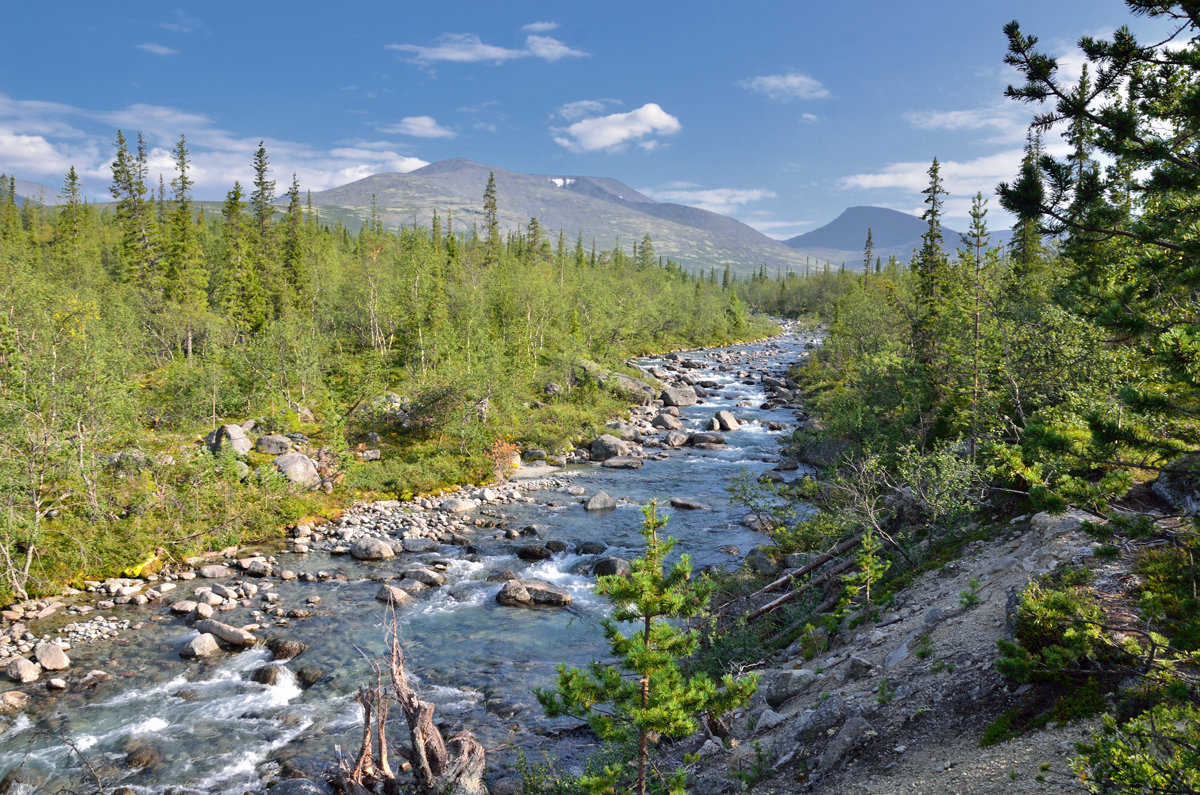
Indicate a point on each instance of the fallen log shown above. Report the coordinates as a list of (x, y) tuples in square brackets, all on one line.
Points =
[(815, 563), (790, 595)]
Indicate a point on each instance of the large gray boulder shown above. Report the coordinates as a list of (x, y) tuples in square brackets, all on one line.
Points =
[(608, 446), (51, 657), (273, 444), (600, 502), (628, 387), (532, 593), (667, 422), (371, 548), (232, 436), (233, 636), (622, 462), (298, 469), (391, 595), (203, 645), (678, 396), (726, 421), (706, 437), (23, 671)]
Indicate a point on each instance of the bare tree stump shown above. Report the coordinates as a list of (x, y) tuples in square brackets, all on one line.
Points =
[(439, 767)]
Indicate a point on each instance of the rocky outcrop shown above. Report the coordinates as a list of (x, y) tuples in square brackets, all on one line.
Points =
[(532, 593), (299, 469)]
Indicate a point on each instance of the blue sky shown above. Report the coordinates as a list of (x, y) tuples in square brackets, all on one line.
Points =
[(779, 114)]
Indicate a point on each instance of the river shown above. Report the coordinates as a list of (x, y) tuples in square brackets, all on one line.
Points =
[(203, 726)]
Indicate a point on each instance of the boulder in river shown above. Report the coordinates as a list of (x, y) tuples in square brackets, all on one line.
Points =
[(23, 671), (705, 438), (667, 422), (214, 571), (457, 505), (623, 462), (678, 396), (726, 421), (676, 439), (51, 657), (12, 700), (371, 548), (600, 502), (533, 552), (532, 593), (225, 633), (612, 566), (284, 649), (684, 504), (203, 645), (391, 595)]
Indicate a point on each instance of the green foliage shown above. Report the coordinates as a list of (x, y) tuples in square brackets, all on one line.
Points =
[(1058, 632), (1156, 752), (969, 597), (646, 694), (756, 772), (884, 692)]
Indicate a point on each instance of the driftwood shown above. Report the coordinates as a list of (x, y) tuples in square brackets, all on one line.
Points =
[(825, 577), (438, 766)]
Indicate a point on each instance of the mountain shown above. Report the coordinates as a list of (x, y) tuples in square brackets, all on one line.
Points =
[(32, 191), (892, 233), (599, 209)]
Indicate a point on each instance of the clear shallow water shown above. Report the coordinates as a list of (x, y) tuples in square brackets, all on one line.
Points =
[(211, 729)]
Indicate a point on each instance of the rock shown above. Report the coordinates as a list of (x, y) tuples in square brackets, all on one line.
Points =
[(283, 649), (12, 700), (371, 548), (600, 502), (310, 675), (613, 566), (853, 732), (23, 671), (299, 469), (607, 446), (534, 552), (214, 571), (769, 719), (514, 594), (51, 657), (232, 436), (705, 438), (544, 593), (590, 548), (225, 633), (203, 645), (629, 387), (678, 396), (858, 668), (530, 593), (667, 422), (780, 687), (622, 462), (726, 421), (814, 724), (684, 504), (676, 439), (296, 786), (425, 577), (1179, 484), (266, 675), (420, 545), (138, 756), (457, 505), (391, 595), (56, 685), (273, 444), (1052, 524)]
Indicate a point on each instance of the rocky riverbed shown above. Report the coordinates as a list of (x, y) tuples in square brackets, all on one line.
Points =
[(242, 669)]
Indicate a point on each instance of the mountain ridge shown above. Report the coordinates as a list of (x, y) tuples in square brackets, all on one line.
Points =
[(601, 210)]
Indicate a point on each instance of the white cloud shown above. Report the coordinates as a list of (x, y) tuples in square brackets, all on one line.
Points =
[(182, 23), (540, 27), (157, 49), (809, 118), (419, 127), (718, 200), (469, 48), (41, 140), (584, 107), (1007, 120), (786, 87), (611, 133), (961, 178)]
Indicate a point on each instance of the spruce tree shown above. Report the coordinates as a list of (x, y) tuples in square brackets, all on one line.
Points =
[(492, 244), (187, 277), (646, 694)]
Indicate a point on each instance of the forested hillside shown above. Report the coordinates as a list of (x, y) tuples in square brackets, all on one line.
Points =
[(129, 333), (960, 392)]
